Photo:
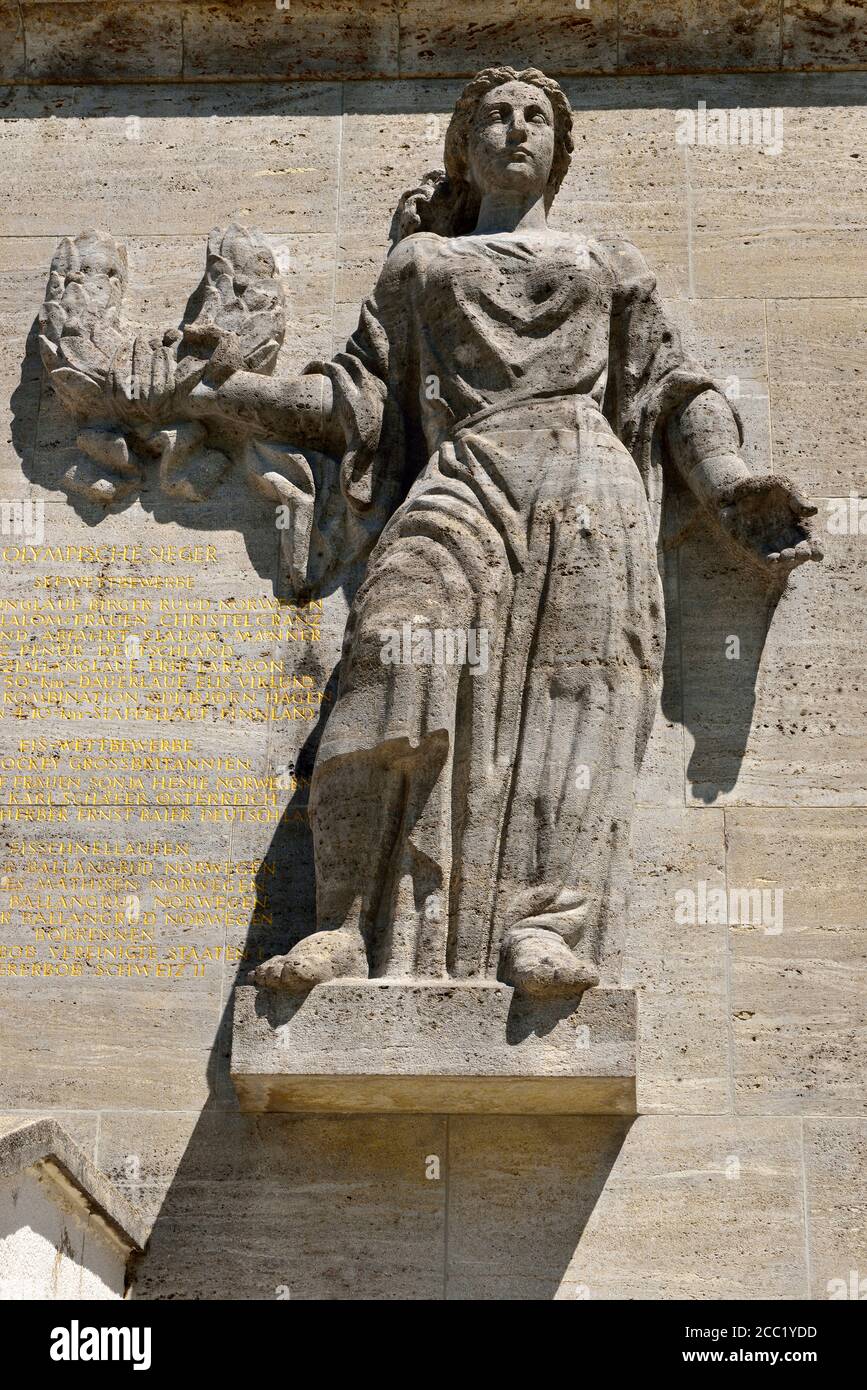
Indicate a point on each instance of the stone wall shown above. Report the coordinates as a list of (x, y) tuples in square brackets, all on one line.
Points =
[(231, 40), (744, 1175)]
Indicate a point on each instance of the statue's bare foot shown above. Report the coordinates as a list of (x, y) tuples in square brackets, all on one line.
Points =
[(326, 955), (539, 963)]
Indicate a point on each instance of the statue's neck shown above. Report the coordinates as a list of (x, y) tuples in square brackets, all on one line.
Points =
[(501, 212)]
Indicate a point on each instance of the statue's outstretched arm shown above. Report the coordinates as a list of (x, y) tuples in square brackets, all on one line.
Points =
[(299, 409), (764, 515)]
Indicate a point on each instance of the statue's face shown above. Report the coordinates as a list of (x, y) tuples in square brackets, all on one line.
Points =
[(102, 271), (511, 142)]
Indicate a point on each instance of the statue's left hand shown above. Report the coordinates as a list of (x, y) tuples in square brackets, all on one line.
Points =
[(142, 377), (768, 517)]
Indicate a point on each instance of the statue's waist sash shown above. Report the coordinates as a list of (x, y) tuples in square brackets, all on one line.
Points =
[(533, 410)]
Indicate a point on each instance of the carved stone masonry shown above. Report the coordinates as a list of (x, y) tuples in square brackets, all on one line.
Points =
[(492, 444), (132, 393)]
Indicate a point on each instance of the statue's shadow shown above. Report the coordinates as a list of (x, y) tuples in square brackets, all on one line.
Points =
[(718, 614), (260, 1203), (535, 1017), (497, 1205)]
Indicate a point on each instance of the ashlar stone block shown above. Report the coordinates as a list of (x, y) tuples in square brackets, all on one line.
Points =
[(442, 1047)]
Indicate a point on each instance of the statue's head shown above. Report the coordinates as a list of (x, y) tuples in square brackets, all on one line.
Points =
[(510, 130)]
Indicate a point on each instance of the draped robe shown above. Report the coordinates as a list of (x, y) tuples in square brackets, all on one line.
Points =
[(502, 403)]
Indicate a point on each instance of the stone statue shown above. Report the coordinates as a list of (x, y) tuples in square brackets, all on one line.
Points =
[(492, 443)]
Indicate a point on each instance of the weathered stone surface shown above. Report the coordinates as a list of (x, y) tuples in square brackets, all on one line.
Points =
[(678, 968), (804, 143), (835, 1162), (798, 993), (628, 178), (406, 123), (564, 38), (141, 1159), (680, 1182), (413, 38), (20, 375), (787, 209), (823, 34), (729, 335), (521, 1191), (817, 353), (742, 247), (305, 37), (383, 1045), (272, 878), (796, 738), (689, 36), (658, 227), (574, 1208), (660, 779), (82, 1126), (104, 40), (181, 159), (11, 42), (84, 999), (168, 1065), (360, 1200)]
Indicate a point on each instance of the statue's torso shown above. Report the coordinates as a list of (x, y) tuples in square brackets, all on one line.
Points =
[(498, 316)]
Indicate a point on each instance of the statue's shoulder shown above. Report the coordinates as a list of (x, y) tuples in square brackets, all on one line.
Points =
[(414, 248), (405, 261), (625, 260)]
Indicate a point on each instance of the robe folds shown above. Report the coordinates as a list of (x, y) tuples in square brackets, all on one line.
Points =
[(503, 403)]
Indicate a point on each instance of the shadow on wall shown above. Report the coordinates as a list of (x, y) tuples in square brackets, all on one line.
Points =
[(391, 1206), (201, 100), (379, 1207), (718, 615)]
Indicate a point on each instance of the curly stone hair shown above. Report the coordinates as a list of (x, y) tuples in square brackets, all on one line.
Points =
[(445, 201)]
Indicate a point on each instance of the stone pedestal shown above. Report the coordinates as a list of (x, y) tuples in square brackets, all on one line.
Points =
[(454, 1047)]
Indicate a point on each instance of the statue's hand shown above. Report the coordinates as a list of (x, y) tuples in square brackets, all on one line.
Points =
[(767, 517), (142, 379)]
